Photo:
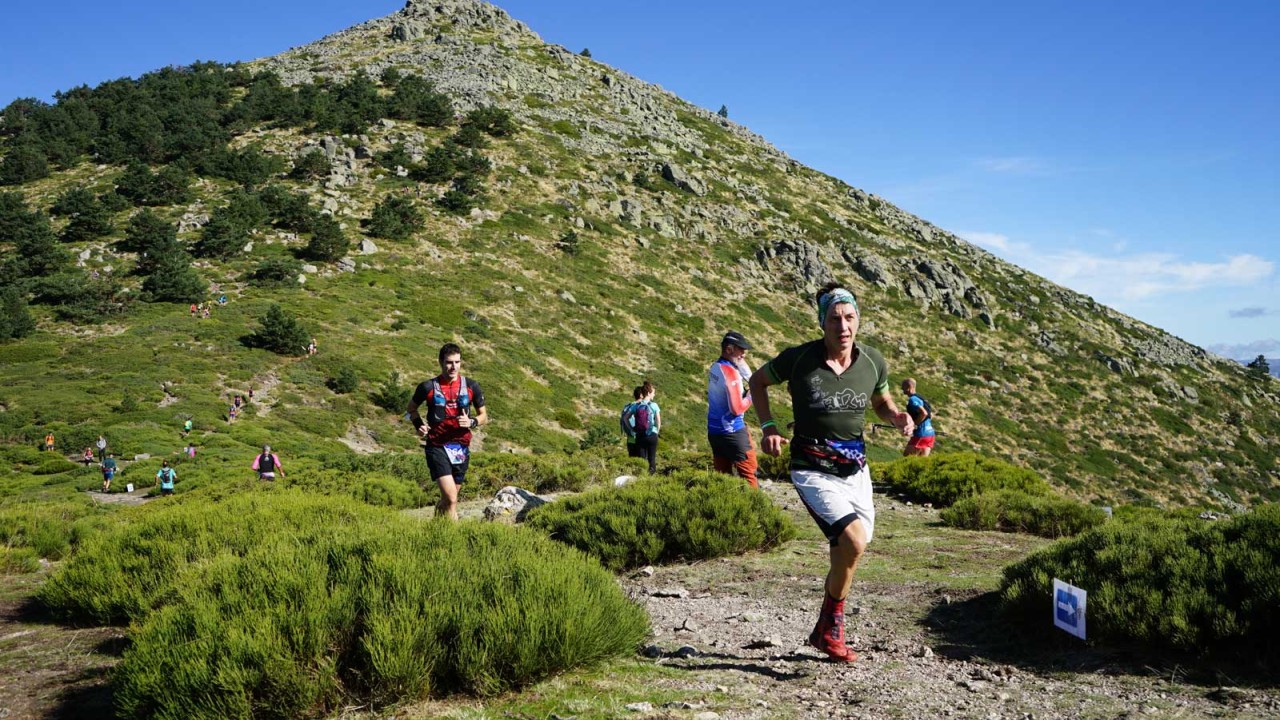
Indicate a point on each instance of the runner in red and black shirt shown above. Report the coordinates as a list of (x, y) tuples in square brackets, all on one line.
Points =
[(455, 405)]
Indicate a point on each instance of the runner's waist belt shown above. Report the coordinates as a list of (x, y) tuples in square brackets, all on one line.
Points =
[(836, 457)]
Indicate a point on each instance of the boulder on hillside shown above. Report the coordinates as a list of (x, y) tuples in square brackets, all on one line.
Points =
[(677, 176), (511, 504), (802, 260), (871, 268)]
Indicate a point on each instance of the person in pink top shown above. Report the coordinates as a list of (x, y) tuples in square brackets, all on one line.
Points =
[(267, 464)]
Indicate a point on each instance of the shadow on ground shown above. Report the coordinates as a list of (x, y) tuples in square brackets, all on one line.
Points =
[(974, 629)]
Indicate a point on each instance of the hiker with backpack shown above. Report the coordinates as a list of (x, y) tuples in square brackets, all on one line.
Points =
[(166, 476), (455, 407), (267, 464), (632, 450), (921, 442), (832, 382), (644, 418), (728, 399), (109, 468)]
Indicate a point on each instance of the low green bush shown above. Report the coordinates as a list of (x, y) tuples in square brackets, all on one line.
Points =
[(944, 479), (685, 516), (377, 610), (48, 529), (18, 560), (1170, 582), (1016, 511)]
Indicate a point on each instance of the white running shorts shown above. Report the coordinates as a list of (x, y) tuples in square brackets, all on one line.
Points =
[(834, 502)]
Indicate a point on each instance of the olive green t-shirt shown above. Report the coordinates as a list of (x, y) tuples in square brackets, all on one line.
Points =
[(828, 406)]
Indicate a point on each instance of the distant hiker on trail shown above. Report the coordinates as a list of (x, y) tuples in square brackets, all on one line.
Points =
[(250, 393), (232, 413), (186, 428), (831, 381), (921, 442), (166, 476), (87, 456), (102, 447), (189, 450), (108, 467), (194, 309), (222, 299), (645, 420), (311, 347), (267, 464), (450, 399), (632, 450), (728, 398), (238, 402), (48, 442)]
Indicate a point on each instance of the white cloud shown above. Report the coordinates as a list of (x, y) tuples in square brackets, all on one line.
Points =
[(1250, 350), (1249, 312), (1136, 276), (1019, 165)]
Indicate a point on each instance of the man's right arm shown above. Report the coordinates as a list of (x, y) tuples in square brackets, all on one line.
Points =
[(419, 397), (772, 440)]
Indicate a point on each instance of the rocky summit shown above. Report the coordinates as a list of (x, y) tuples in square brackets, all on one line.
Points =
[(620, 231)]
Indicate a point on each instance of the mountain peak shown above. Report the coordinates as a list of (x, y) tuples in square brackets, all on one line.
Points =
[(421, 18)]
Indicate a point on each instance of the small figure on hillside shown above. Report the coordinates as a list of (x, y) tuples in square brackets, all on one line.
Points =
[(232, 413), (166, 476), (250, 393), (189, 450), (87, 456), (194, 309), (222, 299), (48, 442), (186, 428), (206, 312), (645, 420), (921, 442), (108, 467), (832, 381), (238, 402), (102, 447), (267, 464), (632, 450), (728, 399), (447, 428), (311, 347)]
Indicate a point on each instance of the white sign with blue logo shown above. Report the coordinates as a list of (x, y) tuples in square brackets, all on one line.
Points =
[(1068, 607)]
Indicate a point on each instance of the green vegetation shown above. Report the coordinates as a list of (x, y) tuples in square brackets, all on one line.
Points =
[(302, 604), (680, 517), (1169, 582), (281, 333), (945, 479), (1018, 511)]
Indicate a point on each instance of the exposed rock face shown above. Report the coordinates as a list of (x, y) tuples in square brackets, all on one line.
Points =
[(800, 260), (871, 268), (1115, 365)]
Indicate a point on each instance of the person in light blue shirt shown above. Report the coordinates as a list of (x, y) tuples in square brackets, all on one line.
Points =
[(166, 476)]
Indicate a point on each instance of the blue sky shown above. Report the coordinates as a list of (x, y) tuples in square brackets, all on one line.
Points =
[(1125, 150)]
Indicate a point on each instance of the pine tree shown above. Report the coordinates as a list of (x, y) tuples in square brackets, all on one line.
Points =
[(724, 111), (281, 333), (395, 217), (1259, 368), (15, 319), (327, 242), (174, 280)]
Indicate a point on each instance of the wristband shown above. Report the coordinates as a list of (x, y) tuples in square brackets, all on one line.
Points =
[(768, 424)]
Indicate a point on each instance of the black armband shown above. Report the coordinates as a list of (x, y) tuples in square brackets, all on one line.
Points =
[(418, 422)]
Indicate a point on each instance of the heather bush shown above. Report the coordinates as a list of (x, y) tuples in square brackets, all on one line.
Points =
[(680, 517), (552, 472), (944, 479), (1015, 511), (1170, 582), (303, 605)]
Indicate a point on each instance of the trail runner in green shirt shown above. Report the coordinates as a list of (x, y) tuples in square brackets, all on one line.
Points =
[(832, 382)]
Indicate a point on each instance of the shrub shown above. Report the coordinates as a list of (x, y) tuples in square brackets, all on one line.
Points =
[(281, 333), (287, 210), (1172, 583), (311, 165), (1016, 511), (944, 479), (391, 395), (248, 166), (49, 529), (174, 280), (15, 318), (170, 186), (397, 156), (327, 242), (76, 297), (416, 99), (345, 381), (681, 517), (395, 217), (493, 121), (36, 252), (276, 273), (457, 202), (301, 604), (25, 161)]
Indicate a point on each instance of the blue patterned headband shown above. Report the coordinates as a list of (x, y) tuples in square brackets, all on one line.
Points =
[(833, 297)]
